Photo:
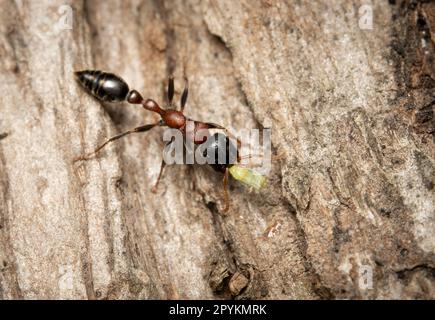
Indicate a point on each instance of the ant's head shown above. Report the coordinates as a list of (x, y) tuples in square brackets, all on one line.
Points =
[(220, 152)]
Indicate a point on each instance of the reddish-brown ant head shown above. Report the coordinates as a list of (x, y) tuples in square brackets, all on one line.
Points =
[(174, 119)]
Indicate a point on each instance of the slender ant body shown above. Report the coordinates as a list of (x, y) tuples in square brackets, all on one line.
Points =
[(109, 87)]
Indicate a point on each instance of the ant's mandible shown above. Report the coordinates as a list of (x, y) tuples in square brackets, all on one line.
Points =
[(109, 87)]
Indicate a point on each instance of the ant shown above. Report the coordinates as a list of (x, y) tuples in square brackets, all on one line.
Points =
[(109, 87)]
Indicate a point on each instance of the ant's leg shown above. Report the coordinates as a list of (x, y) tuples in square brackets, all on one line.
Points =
[(249, 157), (275, 157), (119, 136), (162, 166), (170, 89), (185, 93), (226, 196), (212, 125)]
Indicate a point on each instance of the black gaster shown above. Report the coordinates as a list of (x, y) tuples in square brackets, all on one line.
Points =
[(104, 86), (217, 143)]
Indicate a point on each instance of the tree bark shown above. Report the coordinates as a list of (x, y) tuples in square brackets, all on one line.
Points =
[(349, 211)]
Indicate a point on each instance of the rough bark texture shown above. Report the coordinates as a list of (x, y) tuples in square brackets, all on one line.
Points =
[(350, 109)]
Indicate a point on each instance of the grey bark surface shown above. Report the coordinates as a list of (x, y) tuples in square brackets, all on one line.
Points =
[(351, 112)]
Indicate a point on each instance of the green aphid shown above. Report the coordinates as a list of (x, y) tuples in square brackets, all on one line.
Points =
[(248, 177)]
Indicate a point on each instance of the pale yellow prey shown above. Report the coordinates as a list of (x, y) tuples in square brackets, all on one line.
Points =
[(248, 177)]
